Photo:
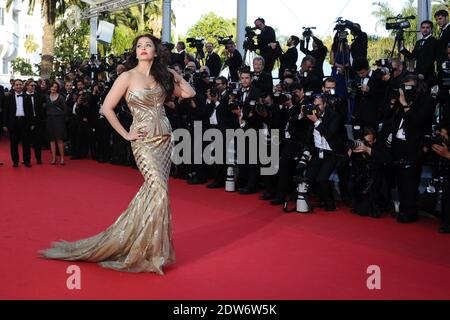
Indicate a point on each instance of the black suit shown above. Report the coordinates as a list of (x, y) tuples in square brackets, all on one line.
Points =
[(267, 36), (288, 60), (360, 42), (234, 63), (18, 127), (324, 162), (214, 64), (2, 102), (263, 82), (320, 55), (443, 41), (35, 102), (407, 151), (177, 58), (424, 53)]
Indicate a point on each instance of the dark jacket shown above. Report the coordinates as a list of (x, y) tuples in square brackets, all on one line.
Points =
[(424, 53), (288, 59), (10, 110), (214, 64)]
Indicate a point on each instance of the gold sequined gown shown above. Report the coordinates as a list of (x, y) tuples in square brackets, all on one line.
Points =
[(141, 239)]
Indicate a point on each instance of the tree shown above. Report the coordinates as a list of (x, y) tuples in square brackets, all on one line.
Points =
[(22, 67), (209, 26), (51, 9), (30, 45)]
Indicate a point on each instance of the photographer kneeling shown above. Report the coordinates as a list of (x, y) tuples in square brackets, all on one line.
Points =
[(329, 145), (368, 157), (440, 146)]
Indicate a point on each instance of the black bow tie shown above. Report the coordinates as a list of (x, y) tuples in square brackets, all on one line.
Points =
[(30, 95), (245, 90), (20, 95)]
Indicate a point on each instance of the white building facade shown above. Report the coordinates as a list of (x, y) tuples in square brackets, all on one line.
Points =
[(16, 26)]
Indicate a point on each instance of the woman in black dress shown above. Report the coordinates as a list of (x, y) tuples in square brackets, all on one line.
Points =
[(56, 121)]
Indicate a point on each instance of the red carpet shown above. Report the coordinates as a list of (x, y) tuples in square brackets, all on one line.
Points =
[(228, 246)]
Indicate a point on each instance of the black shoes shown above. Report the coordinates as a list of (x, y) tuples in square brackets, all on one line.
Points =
[(216, 185), (406, 218), (267, 196), (247, 191), (15, 165), (277, 202), (39, 161), (27, 165), (196, 181), (444, 229)]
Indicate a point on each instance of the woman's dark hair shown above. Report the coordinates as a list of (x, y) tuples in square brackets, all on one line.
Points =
[(159, 68), (57, 84)]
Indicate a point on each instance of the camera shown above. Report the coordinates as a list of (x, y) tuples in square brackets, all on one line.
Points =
[(224, 40), (429, 141), (311, 109), (169, 46), (410, 92), (249, 43), (341, 28), (307, 32), (196, 42), (400, 22), (303, 162), (384, 66), (332, 99)]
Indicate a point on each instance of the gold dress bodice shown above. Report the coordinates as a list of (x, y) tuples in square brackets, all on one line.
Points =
[(141, 239)]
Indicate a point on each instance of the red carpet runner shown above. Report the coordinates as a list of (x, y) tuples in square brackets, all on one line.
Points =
[(228, 246)]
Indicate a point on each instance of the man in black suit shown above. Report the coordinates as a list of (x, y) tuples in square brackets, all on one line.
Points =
[(2, 101), (35, 102), (249, 118), (328, 144), (370, 89), (213, 61), (360, 42), (233, 60), (403, 129), (17, 120), (424, 53), (288, 59), (262, 80), (221, 117), (265, 40), (309, 80), (441, 17), (178, 57), (319, 52)]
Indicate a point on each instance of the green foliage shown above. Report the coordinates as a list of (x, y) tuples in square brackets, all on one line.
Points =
[(22, 67), (72, 45), (209, 26)]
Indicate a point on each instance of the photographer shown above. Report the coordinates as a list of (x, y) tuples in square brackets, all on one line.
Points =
[(328, 148), (443, 151), (295, 135), (441, 17), (319, 51), (178, 57), (261, 79), (367, 187), (403, 130), (308, 80), (424, 53), (212, 61), (360, 43), (233, 60), (221, 116), (251, 118), (368, 90), (265, 40), (288, 59)]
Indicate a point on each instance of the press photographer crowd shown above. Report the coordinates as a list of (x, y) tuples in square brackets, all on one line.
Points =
[(363, 135)]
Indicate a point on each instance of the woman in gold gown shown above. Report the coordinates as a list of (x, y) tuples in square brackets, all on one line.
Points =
[(141, 239)]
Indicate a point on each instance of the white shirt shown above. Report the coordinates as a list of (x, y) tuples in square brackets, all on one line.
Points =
[(32, 102), (19, 106), (401, 132), (286, 130), (213, 119), (319, 141), (443, 29)]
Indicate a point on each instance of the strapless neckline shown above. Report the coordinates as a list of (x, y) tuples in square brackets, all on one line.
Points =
[(136, 92)]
